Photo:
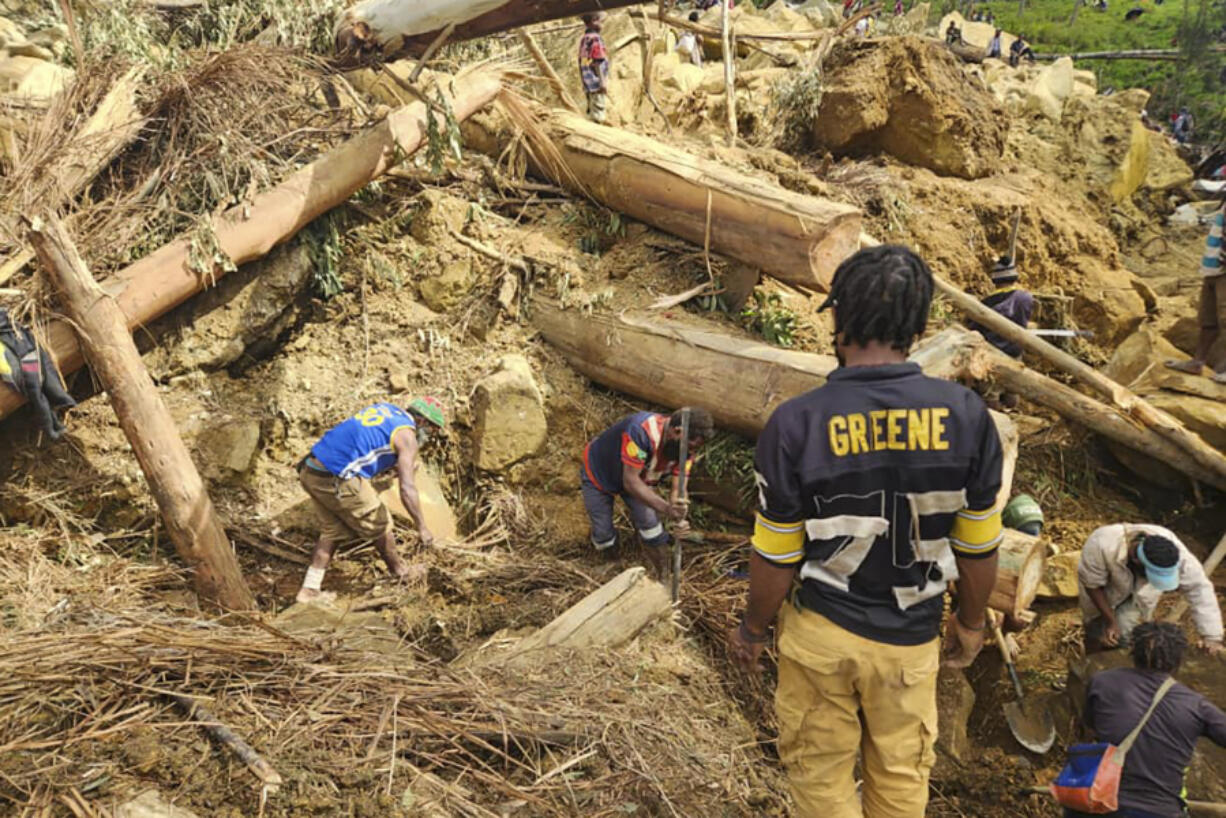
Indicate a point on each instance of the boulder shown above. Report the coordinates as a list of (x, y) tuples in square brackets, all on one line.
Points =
[(151, 804), (244, 312), (1049, 90), (820, 13), (913, 22), (908, 97), (1196, 401), (228, 448), (509, 414), (1060, 576), (32, 77), (447, 289), (437, 214), (955, 701)]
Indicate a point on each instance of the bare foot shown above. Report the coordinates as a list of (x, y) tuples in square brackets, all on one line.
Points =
[(1192, 367), (309, 595)]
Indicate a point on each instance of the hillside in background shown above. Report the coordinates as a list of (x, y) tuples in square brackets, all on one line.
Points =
[(1196, 81)]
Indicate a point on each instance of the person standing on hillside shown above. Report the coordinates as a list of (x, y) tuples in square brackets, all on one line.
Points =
[(1212, 312), (337, 475), (1152, 782), (993, 50), (874, 491), (628, 459), (689, 43), (594, 67), (1122, 573)]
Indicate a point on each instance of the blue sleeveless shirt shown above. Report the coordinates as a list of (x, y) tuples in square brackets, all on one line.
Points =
[(361, 446)]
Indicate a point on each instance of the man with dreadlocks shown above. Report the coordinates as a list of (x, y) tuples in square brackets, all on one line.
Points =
[(874, 491), (1152, 782)]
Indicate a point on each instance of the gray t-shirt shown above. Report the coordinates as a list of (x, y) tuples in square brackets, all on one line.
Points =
[(1154, 768)]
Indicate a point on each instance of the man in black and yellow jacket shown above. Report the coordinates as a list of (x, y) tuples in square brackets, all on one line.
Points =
[(875, 490)]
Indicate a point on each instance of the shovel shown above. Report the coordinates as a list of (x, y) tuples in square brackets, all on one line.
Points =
[(1035, 729)]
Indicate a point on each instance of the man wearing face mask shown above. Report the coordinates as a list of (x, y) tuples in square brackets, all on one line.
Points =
[(628, 459), (337, 474)]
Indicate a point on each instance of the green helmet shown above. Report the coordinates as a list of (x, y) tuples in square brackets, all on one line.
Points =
[(431, 409), (1023, 514)]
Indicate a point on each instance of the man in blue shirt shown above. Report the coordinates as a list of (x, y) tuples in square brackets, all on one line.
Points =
[(337, 475)]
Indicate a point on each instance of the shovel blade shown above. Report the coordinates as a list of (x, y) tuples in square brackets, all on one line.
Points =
[(1035, 730)]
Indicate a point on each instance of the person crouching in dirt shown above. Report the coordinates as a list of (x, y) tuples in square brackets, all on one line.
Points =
[(874, 490), (627, 460), (594, 68), (953, 34), (1123, 571), (1152, 782), (1009, 300), (337, 475)]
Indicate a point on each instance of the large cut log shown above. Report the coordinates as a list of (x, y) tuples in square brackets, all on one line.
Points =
[(674, 364), (1203, 456), (164, 279), (795, 238), (395, 29), (610, 616), (172, 476), (1019, 573)]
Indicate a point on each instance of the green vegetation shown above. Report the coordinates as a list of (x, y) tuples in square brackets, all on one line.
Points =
[(1196, 80), (766, 315)]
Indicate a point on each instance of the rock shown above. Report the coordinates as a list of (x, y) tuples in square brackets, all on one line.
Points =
[(509, 415), (955, 701), (820, 13), (909, 97), (1107, 300), (448, 288), (228, 448), (1196, 401), (438, 213), (913, 22), (1060, 576), (244, 313), (1051, 88), (32, 77), (151, 804), (1167, 169), (10, 33), (440, 519)]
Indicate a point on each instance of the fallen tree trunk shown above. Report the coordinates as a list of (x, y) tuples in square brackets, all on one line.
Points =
[(610, 616), (1207, 459), (396, 29), (164, 279), (795, 238), (176, 485), (1019, 573)]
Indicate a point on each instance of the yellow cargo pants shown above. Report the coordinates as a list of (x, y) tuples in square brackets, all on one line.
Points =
[(840, 694)]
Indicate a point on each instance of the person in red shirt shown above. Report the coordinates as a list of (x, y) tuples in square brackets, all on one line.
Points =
[(594, 68)]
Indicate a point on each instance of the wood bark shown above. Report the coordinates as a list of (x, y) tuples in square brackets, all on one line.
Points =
[(1019, 572), (1193, 445), (610, 616), (163, 279), (172, 476), (795, 238)]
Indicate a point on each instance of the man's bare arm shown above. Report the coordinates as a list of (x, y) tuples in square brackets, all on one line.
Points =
[(405, 444), (769, 584), (976, 579), (639, 490)]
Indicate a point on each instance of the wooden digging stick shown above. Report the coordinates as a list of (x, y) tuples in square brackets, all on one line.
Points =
[(681, 495)]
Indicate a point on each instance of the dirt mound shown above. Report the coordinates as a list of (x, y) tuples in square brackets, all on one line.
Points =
[(910, 98)]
